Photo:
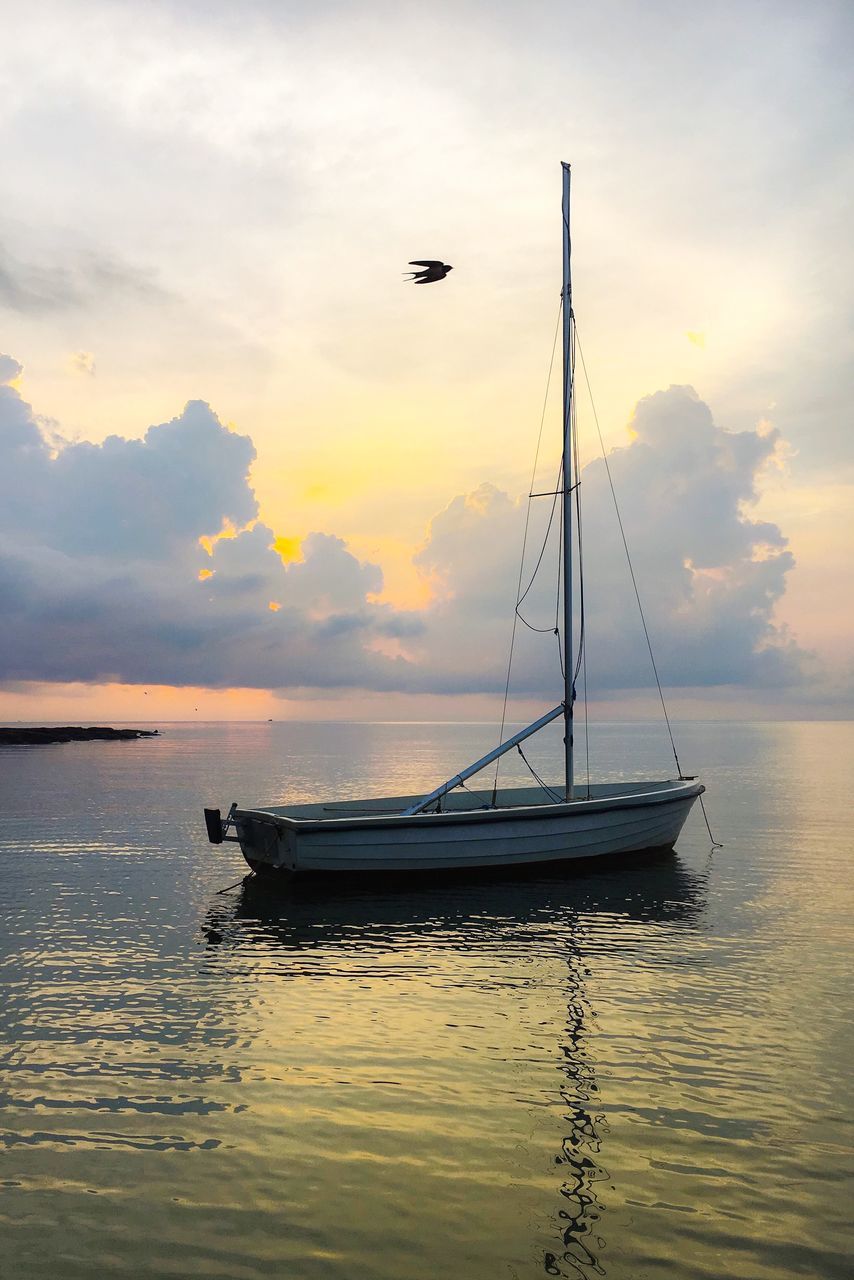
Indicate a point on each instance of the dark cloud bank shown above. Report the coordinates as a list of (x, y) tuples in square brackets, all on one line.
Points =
[(100, 562)]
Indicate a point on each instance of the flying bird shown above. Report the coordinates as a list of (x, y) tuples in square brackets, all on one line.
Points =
[(433, 270)]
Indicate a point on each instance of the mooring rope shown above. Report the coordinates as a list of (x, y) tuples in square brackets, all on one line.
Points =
[(715, 843), (228, 888)]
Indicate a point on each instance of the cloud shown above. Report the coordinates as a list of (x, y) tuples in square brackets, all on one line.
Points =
[(709, 575), (83, 278), (100, 556), (128, 499), (82, 362), (10, 369), (111, 568)]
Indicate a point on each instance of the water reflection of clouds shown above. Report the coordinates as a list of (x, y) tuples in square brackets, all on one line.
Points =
[(359, 931)]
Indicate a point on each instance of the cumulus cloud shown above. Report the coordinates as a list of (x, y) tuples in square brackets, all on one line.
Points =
[(709, 574), (10, 369), (137, 500), (100, 559), (112, 567)]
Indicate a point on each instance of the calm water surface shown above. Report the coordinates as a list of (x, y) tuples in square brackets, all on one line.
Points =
[(630, 1073)]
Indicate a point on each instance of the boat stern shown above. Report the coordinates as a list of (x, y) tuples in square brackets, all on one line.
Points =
[(267, 841)]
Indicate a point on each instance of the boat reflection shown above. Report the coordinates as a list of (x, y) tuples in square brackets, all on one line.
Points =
[(573, 915), (311, 913)]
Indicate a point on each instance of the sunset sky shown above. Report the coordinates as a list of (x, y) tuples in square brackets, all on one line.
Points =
[(207, 212)]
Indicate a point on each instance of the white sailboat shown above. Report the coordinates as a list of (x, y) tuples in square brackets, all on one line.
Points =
[(450, 828)]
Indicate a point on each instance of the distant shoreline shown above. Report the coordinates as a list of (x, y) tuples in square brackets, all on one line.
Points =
[(70, 733)]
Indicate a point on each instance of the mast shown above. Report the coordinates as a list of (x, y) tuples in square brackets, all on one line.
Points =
[(566, 485), (565, 707)]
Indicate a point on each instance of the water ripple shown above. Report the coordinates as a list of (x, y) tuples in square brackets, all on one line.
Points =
[(640, 1071)]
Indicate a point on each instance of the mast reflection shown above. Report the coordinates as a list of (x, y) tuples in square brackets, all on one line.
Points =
[(581, 1209), (661, 891)]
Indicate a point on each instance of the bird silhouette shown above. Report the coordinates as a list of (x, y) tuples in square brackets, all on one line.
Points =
[(433, 270)]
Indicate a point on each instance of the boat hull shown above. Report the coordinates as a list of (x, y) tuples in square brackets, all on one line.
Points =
[(617, 823)]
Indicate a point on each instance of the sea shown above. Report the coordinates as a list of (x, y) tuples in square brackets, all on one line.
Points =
[(635, 1070)]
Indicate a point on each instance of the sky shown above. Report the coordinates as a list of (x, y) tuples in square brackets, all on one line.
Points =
[(251, 472)]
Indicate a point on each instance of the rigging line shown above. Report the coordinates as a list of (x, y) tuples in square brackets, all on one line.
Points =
[(559, 583), (558, 591), (521, 598), (524, 544), (578, 533), (521, 616), (566, 492), (548, 790), (556, 629), (550, 493), (477, 795), (582, 637), (586, 721), (541, 631), (629, 562)]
